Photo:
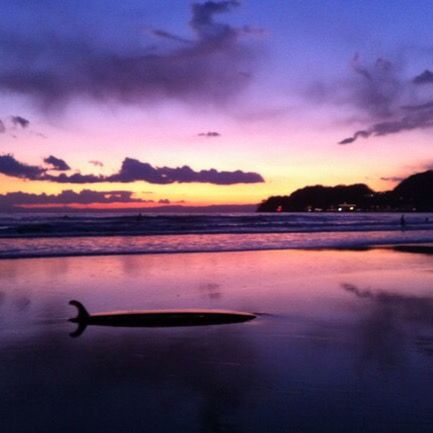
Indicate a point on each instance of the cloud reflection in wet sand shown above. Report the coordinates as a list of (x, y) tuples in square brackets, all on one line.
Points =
[(392, 321)]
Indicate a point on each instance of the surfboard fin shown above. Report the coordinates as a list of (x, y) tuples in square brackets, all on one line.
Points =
[(81, 318), (81, 328), (82, 312)]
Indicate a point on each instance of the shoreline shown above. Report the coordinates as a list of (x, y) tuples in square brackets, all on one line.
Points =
[(411, 247), (395, 228)]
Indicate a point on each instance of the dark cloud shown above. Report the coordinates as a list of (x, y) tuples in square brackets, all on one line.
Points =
[(73, 178), (171, 36), (68, 197), (57, 163), (209, 134), (132, 170), (378, 89), (357, 67), (96, 163), (425, 78), (20, 121), (416, 117), (348, 140), (11, 167), (55, 69), (357, 134), (202, 19), (11, 123), (388, 100), (164, 201), (185, 175)]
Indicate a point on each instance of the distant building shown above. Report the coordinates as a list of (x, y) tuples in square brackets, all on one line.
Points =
[(346, 207)]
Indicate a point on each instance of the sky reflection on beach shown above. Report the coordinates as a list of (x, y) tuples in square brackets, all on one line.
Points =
[(343, 343)]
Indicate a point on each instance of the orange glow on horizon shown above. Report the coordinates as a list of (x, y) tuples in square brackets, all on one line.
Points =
[(187, 194)]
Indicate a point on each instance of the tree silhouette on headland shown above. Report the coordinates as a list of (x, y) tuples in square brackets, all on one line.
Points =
[(414, 193)]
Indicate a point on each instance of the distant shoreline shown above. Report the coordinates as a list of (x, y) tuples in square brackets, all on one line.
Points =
[(208, 210)]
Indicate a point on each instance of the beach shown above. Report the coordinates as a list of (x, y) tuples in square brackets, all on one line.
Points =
[(343, 341)]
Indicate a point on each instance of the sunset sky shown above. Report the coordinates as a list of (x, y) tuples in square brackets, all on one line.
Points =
[(148, 103)]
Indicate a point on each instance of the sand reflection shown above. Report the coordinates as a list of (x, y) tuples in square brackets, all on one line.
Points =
[(324, 356)]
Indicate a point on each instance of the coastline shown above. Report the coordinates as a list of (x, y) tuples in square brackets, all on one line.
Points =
[(421, 248)]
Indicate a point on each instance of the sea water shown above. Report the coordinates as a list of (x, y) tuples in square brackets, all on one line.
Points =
[(45, 235)]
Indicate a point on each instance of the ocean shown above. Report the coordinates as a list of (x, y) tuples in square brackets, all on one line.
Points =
[(49, 235)]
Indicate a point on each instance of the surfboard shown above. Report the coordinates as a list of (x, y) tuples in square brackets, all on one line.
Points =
[(156, 318)]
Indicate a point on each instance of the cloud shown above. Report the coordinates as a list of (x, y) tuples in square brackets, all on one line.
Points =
[(11, 167), (55, 69), (168, 35), (372, 89), (202, 17), (96, 163), (388, 100), (56, 163), (209, 134), (20, 121), (164, 201), (417, 117), (355, 136), (132, 170), (378, 88), (11, 123), (68, 197), (73, 178), (357, 67), (424, 78)]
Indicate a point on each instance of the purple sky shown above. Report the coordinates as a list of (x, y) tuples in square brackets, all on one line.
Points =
[(211, 102)]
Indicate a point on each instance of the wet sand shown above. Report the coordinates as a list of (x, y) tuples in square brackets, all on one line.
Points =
[(343, 342)]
